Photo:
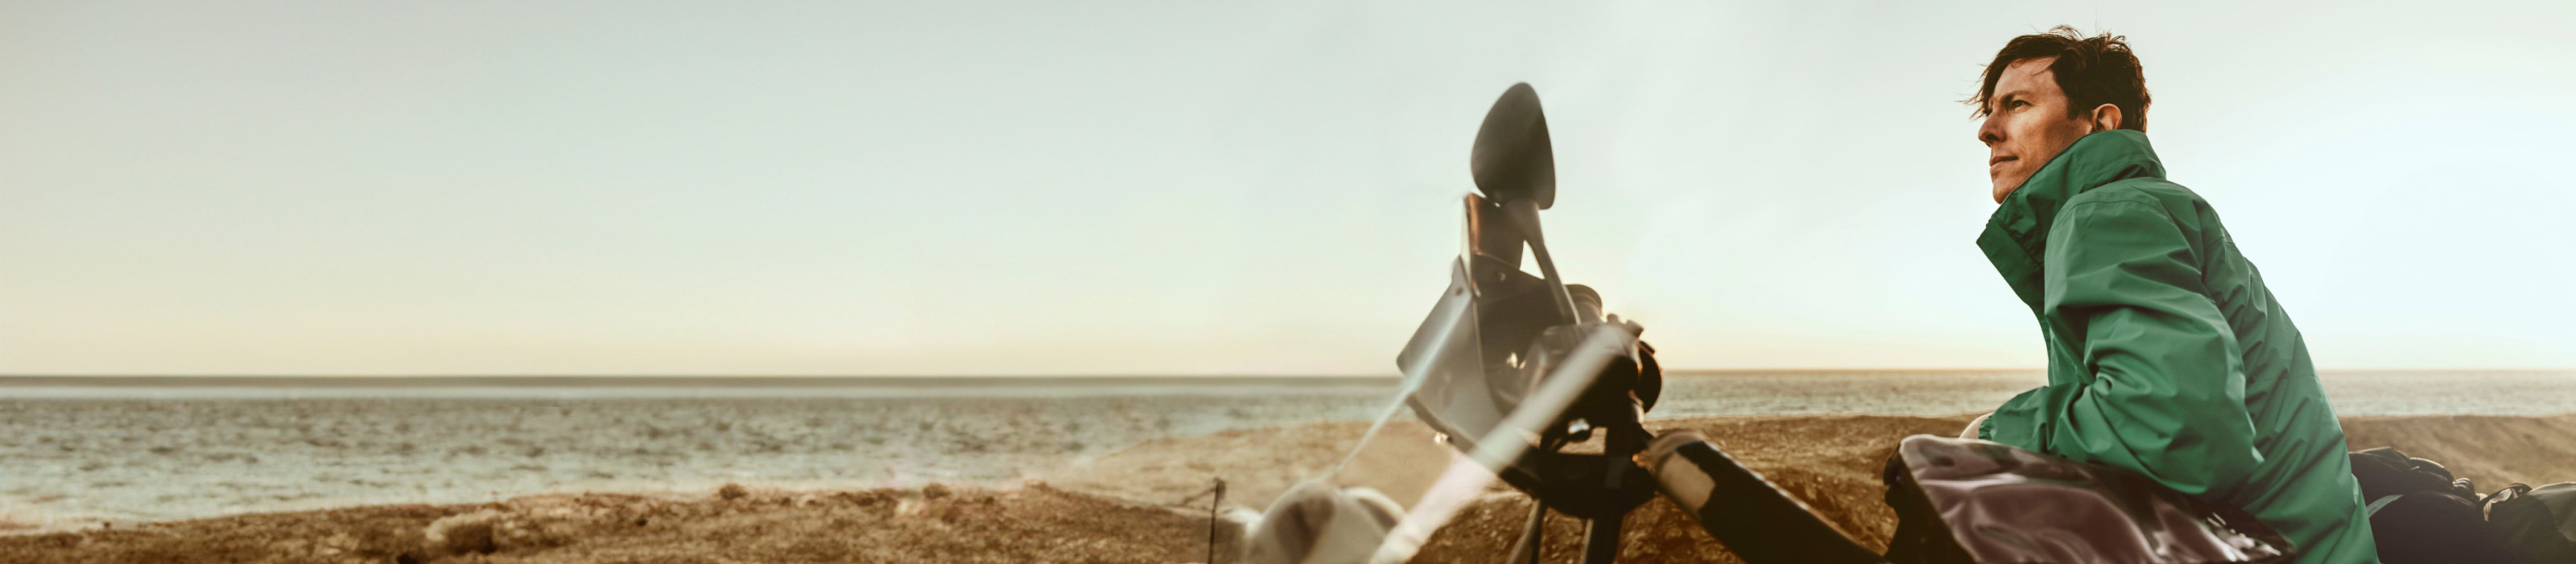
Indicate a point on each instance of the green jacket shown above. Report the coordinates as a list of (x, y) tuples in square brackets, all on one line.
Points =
[(2166, 354)]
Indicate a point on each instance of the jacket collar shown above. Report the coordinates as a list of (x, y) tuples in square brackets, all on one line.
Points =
[(2017, 235)]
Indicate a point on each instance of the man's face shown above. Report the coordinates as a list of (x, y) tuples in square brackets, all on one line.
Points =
[(2026, 124)]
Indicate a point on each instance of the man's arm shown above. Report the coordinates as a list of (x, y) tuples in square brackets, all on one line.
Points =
[(2167, 393)]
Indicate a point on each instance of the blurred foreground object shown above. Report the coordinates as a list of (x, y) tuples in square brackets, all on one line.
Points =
[(1313, 522)]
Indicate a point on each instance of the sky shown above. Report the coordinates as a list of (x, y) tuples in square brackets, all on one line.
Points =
[(1038, 188)]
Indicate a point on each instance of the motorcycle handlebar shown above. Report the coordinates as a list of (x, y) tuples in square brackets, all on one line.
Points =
[(1741, 509)]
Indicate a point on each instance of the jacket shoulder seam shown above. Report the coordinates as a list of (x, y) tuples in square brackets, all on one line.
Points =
[(2150, 204), (2131, 190)]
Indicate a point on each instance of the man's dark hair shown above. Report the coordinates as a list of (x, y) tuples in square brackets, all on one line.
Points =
[(2093, 71)]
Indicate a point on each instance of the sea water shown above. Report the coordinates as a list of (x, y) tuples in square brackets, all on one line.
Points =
[(169, 449)]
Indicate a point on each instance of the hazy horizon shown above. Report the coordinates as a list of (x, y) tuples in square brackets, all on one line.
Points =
[(988, 188)]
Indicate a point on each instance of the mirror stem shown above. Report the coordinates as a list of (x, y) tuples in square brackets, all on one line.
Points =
[(1524, 214)]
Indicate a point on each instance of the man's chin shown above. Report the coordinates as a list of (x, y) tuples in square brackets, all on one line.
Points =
[(2005, 183)]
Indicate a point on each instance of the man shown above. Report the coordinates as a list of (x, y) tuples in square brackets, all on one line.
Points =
[(2166, 353)]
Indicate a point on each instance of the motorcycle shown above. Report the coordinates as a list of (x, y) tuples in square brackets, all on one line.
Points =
[(1525, 379)]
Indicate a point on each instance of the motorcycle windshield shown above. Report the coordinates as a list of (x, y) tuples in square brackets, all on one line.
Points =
[(1435, 448)]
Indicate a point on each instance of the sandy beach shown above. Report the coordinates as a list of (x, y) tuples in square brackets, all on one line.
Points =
[(1128, 506)]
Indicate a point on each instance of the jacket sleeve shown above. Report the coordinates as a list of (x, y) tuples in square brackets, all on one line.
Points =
[(2166, 387)]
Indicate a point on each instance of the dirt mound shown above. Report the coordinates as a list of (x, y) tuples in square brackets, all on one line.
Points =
[(1035, 523), (1831, 462), (1114, 509), (2490, 450)]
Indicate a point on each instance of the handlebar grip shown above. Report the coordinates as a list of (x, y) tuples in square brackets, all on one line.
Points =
[(1748, 514)]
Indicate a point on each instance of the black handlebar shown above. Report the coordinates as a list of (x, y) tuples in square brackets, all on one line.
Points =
[(1747, 513)]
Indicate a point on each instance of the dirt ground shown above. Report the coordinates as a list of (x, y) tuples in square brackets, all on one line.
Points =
[(1127, 507)]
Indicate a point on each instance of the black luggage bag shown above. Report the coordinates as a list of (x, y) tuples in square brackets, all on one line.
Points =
[(2421, 514), (1972, 501)]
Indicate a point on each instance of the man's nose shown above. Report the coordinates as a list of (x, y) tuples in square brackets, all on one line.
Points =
[(1990, 132)]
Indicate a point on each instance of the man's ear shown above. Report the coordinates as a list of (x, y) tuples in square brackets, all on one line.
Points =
[(2106, 117)]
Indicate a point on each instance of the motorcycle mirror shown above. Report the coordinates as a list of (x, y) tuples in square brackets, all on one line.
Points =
[(1512, 159)]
